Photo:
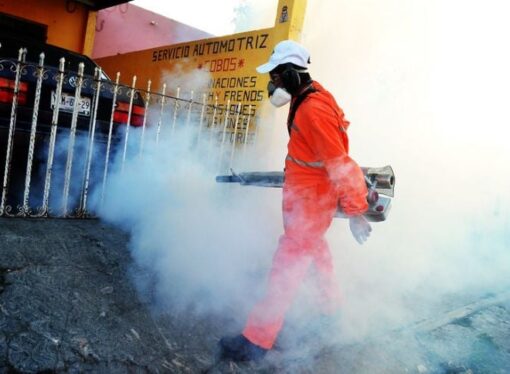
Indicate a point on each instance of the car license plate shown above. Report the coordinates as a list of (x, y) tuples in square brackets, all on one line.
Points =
[(67, 103)]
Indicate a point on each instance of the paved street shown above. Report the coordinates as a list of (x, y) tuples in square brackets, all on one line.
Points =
[(67, 304)]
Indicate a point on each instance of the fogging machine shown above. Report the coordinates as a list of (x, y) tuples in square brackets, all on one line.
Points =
[(380, 181)]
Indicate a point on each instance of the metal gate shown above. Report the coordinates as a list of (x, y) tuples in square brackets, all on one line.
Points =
[(55, 149)]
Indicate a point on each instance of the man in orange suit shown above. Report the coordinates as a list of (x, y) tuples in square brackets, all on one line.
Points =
[(319, 177)]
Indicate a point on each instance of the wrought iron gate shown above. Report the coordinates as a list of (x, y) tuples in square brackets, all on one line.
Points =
[(43, 127)]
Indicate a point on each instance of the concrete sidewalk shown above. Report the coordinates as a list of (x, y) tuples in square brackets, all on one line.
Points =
[(67, 304)]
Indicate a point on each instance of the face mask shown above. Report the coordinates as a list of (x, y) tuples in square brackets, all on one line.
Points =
[(280, 97)]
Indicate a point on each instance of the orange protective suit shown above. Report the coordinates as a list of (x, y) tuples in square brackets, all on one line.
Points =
[(319, 175)]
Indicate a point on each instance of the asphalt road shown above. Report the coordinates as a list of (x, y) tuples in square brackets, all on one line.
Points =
[(68, 305)]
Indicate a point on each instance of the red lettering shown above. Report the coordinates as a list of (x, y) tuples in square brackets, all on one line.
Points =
[(226, 64)]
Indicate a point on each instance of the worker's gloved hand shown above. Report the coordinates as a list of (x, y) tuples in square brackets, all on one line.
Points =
[(360, 228)]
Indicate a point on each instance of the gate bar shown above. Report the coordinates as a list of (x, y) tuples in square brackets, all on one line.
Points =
[(82, 212), (44, 210), (5, 209), (128, 124), (189, 108), (109, 143), (201, 118), (24, 210), (72, 138), (146, 110), (163, 91), (233, 150)]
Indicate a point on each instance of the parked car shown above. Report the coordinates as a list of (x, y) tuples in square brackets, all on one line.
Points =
[(24, 110), (8, 59)]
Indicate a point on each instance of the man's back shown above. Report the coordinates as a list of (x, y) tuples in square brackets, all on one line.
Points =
[(317, 134)]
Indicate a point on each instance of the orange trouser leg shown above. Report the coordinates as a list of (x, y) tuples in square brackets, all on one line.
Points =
[(326, 280), (307, 214)]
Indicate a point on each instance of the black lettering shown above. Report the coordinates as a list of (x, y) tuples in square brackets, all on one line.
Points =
[(249, 42), (223, 45), (241, 42), (216, 47), (231, 45), (244, 96), (230, 82), (247, 110), (232, 121), (263, 40), (250, 95), (154, 56)]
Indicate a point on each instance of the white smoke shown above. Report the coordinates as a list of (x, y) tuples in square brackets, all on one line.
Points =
[(198, 244), (80, 174), (426, 92)]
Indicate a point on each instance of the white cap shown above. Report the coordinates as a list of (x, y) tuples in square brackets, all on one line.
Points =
[(284, 52)]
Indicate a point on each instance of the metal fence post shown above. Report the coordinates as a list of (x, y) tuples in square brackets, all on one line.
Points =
[(188, 118), (232, 152), (246, 132), (72, 137), (163, 92), (202, 112), (109, 142), (212, 127), (176, 107), (128, 124), (5, 209), (82, 211), (227, 113), (24, 210), (147, 100), (45, 210)]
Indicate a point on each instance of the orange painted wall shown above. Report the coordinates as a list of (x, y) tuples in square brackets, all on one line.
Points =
[(66, 20)]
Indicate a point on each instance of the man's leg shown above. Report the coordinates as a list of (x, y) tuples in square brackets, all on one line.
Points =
[(307, 214), (325, 278), (289, 268)]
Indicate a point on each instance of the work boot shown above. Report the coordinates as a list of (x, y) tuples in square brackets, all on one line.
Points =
[(238, 348)]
